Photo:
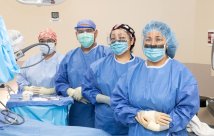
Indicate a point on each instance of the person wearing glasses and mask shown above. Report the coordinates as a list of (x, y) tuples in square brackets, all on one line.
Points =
[(159, 96), (103, 75), (39, 79), (70, 75)]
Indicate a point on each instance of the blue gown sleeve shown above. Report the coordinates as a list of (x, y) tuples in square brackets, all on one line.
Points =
[(123, 110), (89, 88), (107, 51), (61, 79), (8, 67), (22, 79), (187, 103), (60, 58)]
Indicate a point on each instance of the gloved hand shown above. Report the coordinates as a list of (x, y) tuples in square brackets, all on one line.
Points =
[(43, 90), (157, 117), (100, 98), (27, 95), (83, 100), (151, 125), (28, 88), (39, 90), (75, 93)]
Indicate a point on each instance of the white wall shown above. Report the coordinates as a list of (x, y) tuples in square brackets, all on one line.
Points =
[(190, 20), (179, 14), (204, 22)]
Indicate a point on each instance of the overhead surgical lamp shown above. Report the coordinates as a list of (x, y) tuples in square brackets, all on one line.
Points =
[(41, 2)]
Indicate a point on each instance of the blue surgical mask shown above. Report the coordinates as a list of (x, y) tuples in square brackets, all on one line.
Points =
[(154, 54), (86, 39), (119, 47), (44, 49)]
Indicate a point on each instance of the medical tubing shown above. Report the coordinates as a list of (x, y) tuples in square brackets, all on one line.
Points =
[(7, 116), (31, 46)]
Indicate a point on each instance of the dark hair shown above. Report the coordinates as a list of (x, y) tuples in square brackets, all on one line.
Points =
[(128, 29)]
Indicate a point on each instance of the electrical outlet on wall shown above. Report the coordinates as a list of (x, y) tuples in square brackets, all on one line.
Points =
[(212, 72)]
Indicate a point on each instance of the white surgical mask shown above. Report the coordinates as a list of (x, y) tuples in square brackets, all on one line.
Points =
[(44, 49)]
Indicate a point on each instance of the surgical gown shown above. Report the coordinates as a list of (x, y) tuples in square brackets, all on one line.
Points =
[(42, 74), (70, 75), (101, 79), (170, 88), (8, 67)]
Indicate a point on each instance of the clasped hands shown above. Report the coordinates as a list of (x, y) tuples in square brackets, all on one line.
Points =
[(153, 120)]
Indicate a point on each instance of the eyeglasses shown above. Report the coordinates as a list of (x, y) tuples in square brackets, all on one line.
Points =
[(121, 37), (45, 41), (118, 41), (85, 30), (153, 46), (157, 40)]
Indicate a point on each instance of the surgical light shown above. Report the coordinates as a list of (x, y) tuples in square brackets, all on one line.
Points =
[(41, 2)]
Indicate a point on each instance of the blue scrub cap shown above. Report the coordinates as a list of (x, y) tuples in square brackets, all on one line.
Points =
[(86, 23), (165, 30)]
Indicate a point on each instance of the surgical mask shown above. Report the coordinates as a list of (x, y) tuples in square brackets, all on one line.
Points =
[(119, 47), (154, 54), (86, 39), (44, 49)]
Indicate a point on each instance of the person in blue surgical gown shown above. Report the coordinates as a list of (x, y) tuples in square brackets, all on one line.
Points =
[(74, 65), (103, 75), (39, 79), (159, 96), (8, 67)]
